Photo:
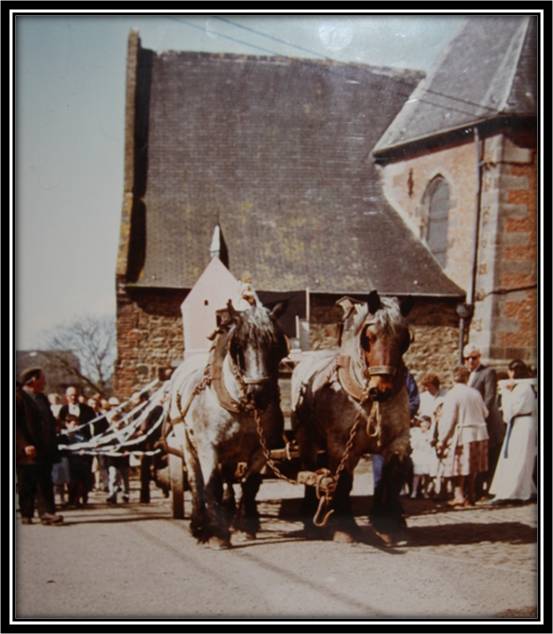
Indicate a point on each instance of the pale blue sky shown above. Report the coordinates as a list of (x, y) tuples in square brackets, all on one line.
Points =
[(69, 109)]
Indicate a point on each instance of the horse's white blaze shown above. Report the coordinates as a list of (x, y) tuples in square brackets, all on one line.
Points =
[(255, 369)]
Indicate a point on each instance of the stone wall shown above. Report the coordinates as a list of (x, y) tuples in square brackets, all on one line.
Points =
[(515, 290), (435, 347), (504, 322), (434, 327), (149, 335), (405, 183)]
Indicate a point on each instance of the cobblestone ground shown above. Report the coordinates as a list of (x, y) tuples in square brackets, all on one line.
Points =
[(134, 560)]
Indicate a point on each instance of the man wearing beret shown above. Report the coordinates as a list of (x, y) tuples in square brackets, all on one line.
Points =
[(37, 448)]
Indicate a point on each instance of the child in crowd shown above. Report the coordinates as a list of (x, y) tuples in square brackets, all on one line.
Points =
[(424, 458)]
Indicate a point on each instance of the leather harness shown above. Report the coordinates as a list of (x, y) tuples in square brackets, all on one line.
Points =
[(348, 382), (215, 370)]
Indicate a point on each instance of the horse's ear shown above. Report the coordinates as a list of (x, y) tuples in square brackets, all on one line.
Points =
[(405, 305), (346, 304), (278, 310), (226, 316), (231, 309), (373, 302)]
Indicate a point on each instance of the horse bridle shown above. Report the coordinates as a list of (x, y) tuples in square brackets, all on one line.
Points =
[(376, 370), (245, 400), (379, 370)]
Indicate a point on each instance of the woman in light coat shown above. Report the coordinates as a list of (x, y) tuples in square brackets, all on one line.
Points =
[(463, 438)]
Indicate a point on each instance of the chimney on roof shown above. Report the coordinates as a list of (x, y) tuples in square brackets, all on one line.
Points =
[(218, 248)]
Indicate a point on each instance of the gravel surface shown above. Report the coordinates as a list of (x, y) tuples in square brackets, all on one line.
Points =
[(135, 561)]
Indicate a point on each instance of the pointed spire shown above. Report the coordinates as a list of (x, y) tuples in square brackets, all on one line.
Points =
[(218, 247), (215, 247)]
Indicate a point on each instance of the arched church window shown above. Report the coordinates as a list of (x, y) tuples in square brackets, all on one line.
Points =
[(437, 201)]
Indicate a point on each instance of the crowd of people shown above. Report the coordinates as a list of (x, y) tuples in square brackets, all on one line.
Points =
[(53, 448), (467, 444), (470, 443)]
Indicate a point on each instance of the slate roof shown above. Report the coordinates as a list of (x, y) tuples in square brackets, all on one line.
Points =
[(487, 70), (278, 152)]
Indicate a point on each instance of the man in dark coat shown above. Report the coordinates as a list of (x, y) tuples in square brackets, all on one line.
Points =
[(484, 379), (36, 448), (84, 414), (82, 411), (149, 464)]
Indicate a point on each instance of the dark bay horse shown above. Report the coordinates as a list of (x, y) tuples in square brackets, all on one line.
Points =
[(354, 401), (218, 399)]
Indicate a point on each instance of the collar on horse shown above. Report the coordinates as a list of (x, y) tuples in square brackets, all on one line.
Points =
[(353, 387), (348, 382), (215, 368)]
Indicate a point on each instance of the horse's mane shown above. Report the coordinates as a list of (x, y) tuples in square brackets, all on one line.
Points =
[(389, 318), (255, 325)]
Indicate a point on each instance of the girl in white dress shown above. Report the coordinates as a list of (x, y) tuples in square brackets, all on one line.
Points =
[(423, 455), (513, 477)]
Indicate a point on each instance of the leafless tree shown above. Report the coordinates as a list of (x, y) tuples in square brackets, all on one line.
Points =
[(92, 340)]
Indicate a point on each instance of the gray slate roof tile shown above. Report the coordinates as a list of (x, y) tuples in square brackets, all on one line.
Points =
[(278, 152)]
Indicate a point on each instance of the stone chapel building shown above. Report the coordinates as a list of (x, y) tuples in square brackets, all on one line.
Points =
[(324, 179)]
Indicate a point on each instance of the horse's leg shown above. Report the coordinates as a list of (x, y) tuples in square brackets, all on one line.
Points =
[(342, 523), (198, 518), (229, 499), (217, 522), (308, 461), (387, 513), (247, 517)]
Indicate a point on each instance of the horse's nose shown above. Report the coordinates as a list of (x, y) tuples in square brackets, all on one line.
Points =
[(380, 389), (257, 393), (379, 395)]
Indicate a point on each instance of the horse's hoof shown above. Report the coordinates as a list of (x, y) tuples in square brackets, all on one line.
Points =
[(342, 537), (386, 538), (244, 536), (398, 538), (218, 543)]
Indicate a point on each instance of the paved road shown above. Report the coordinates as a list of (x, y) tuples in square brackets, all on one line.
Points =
[(135, 561)]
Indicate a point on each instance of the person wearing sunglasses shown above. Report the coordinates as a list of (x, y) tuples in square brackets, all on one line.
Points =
[(484, 379)]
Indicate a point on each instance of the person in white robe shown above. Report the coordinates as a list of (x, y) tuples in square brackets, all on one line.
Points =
[(513, 477)]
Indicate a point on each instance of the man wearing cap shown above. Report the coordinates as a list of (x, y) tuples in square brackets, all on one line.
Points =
[(35, 413), (484, 380)]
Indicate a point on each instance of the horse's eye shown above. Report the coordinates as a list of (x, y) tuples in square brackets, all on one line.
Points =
[(236, 354), (406, 341), (367, 337)]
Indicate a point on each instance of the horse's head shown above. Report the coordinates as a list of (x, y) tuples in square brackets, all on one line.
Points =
[(378, 336), (256, 345)]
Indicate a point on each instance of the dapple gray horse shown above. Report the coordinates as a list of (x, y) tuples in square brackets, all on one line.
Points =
[(217, 400), (354, 401)]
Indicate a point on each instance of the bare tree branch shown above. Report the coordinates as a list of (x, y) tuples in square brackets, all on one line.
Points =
[(92, 340)]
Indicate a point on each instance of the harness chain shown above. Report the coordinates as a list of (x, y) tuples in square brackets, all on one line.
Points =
[(326, 482), (324, 477), (266, 450)]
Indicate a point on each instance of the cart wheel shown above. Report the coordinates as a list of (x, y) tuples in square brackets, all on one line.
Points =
[(176, 476)]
